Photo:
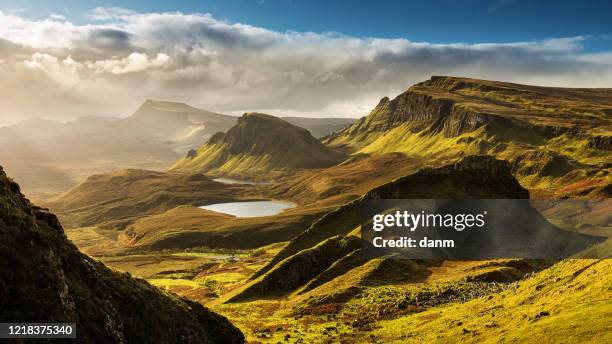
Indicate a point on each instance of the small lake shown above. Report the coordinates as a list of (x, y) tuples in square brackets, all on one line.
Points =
[(250, 209), (239, 181)]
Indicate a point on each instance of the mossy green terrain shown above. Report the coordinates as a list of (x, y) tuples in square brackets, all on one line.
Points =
[(558, 139)]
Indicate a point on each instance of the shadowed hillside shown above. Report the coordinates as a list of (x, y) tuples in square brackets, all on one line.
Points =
[(258, 146), (46, 279), (472, 178)]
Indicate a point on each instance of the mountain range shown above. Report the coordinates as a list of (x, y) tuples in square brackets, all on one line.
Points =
[(307, 275), (48, 157), (558, 139)]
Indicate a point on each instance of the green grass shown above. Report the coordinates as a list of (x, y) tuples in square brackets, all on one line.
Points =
[(570, 302)]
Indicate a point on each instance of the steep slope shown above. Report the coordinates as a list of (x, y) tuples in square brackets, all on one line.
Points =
[(259, 146), (459, 105), (555, 136), (46, 279), (473, 177)]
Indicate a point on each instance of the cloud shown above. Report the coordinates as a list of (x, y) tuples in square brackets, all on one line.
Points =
[(111, 13), (108, 66), (64, 72), (135, 62)]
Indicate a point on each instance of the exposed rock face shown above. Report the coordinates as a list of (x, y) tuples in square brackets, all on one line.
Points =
[(313, 257), (546, 132), (44, 278), (601, 142), (259, 144), (473, 177), (454, 106)]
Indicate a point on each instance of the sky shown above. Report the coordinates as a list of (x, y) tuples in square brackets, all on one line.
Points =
[(65, 59)]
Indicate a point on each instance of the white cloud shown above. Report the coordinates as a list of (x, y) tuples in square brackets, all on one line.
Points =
[(107, 67), (65, 72), (135, 62)]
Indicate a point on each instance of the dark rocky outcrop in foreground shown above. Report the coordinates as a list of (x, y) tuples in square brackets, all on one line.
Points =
[(44, 278)]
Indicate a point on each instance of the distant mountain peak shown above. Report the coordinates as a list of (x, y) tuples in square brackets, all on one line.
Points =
[(151, 104), (258, 144)]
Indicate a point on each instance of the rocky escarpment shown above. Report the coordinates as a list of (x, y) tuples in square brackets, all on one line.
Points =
[(44, 278), (473, 177), (600, 142), (259, 144), (453, 106), (552, 136), (463, 184), (421, 111)]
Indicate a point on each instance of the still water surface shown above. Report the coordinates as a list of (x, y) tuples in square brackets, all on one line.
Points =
[(250, 209)]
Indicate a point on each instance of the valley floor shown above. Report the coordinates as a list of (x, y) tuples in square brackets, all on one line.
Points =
[(455, 302)]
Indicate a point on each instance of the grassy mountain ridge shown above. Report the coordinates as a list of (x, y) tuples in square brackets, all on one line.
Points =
[(259, 145), (46, 279), (559, 139), (443, 138)]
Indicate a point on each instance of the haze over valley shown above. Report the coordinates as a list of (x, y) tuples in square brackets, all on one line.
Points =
[(215, 172)]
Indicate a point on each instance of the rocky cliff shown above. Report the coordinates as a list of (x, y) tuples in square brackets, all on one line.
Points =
[(454, 106), (446, 118)]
